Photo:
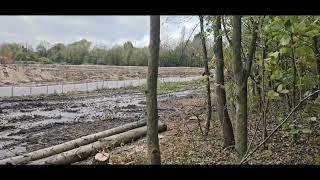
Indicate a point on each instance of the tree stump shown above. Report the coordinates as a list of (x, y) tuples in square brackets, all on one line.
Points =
[(101, 158)]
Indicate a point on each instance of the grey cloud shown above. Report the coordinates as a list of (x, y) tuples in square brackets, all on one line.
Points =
[(100, 29)]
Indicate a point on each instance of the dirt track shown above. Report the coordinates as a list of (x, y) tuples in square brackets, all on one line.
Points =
[(20, 74)]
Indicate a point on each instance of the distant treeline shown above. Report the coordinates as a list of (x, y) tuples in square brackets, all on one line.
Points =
[(186, 53)]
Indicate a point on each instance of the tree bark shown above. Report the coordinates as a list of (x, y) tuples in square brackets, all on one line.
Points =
[(151, 95), (316, 40), (294, 136), (294, 75), (223, 114), (241, 86), (86, 151), (265, 132), (206, 72), (42, 153), (241, 75)]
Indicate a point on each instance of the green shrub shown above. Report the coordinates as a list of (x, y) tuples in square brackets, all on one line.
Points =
[(44, 60)]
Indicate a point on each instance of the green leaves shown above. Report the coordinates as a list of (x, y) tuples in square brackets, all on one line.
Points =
[(276, 95), (312, 32), (273, 95), (266, 153), (284, 51), (285, 91), (287, 24), (279, 120), (277, 74), (274, 55), (281, 90), (301, 27), (285, 40), (276, 27), (296, 129)]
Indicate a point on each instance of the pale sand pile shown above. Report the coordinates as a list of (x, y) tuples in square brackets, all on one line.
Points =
[(13, 74), (26, 74)]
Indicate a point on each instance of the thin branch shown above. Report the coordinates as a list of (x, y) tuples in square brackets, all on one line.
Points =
[(225, 31), (252, 78), (243, 54), (256, 128), (188, 40), (252, 48), (306, 43), (191, 34), (199, 124), (284, 121)]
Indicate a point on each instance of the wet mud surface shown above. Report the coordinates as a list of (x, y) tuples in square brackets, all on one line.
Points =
[(29, 124)]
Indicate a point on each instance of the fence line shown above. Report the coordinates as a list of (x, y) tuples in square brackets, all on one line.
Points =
[(74, 87)]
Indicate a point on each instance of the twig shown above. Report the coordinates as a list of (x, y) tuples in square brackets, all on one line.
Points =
[(256, 129), (199, 124), (284, 121), (188, 40), (243, 54), (129, 163), (225, 31), (252, 78)]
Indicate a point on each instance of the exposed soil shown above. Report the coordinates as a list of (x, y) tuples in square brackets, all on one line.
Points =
[(183, 143), (28, 124), (28, 74)]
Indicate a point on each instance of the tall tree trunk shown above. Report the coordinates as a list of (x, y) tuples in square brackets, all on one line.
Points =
[(294, 75), (220, 89), (151, 94), (294, 136), (294, 78), (316, 40), (241, 75), (265, 132), (206, 72), (241, 90)]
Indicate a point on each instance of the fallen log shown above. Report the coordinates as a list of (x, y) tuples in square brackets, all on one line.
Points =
[(85, 151), (42, 153)]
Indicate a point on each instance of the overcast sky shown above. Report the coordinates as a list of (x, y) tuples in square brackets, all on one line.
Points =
[(101, 30)]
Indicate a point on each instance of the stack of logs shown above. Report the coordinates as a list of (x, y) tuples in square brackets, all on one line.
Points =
[(84, 147)]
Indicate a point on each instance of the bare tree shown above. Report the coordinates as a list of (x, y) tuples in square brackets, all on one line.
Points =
[(220, 90), (151, 94), (206, 72)]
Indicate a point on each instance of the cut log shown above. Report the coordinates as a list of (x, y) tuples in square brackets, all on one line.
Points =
[(42, 153), (101, 158), (85, 151)]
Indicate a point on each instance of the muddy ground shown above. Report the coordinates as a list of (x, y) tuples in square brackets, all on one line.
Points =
[(31, 74), (28, 124), (183, 142), (31, 124)]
